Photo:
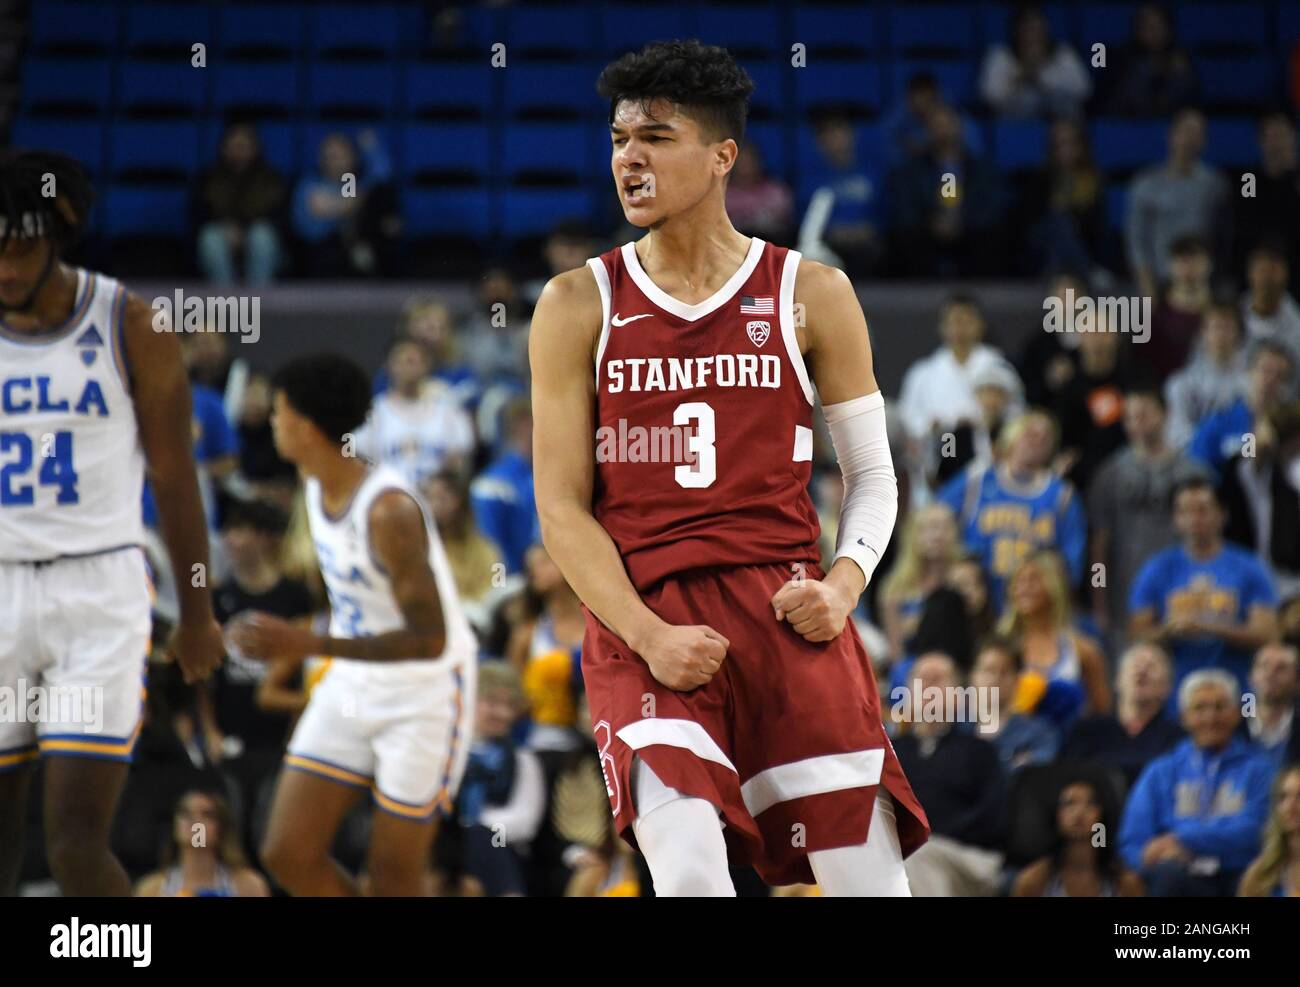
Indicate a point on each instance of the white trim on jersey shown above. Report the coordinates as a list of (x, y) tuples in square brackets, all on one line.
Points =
[(691, 313), (811, 776), (686, 734), (788, 274), (602, 285)]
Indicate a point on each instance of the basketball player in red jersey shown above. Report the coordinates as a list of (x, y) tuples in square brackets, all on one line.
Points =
[(731, 697)]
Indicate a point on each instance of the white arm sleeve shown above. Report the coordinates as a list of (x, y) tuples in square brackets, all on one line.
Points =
[(870, 506)]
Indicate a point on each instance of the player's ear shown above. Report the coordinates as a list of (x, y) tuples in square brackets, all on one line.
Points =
[(725, 154)]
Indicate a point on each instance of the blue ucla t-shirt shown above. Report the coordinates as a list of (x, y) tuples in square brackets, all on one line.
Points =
[(1220, 589)]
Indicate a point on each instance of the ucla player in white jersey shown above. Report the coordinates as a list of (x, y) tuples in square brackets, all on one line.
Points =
[(391, 715), (90, 397)]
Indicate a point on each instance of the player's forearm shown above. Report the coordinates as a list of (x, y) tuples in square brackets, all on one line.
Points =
[(185, 533), (399, 645), (590, 562)]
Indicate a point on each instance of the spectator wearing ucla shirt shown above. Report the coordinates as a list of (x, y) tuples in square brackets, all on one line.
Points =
[(1192, 823), (1009, 510), (1210, 603)]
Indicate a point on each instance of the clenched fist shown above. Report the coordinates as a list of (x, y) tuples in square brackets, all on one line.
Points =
[(815, 609), (685, 657)]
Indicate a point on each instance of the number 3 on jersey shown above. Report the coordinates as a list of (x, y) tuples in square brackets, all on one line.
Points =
[(56, 470), (705, 469)]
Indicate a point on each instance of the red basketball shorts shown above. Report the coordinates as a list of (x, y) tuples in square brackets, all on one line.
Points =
[(786, 739)]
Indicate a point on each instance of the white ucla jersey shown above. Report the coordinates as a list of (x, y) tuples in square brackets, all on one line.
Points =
[(418, 437), (361, 597), (71, 463)]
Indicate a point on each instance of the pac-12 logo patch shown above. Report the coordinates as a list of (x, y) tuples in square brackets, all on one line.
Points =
[(758, 332)]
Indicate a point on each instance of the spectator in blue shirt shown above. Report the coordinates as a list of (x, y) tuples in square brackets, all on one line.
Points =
[(1210, 603), (1192, 823), (502, 495), (330, 209), (906, 124), (853, 227), (1221, 435), (216, 452)]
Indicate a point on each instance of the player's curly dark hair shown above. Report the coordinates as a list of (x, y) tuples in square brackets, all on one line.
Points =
[(330, 390), (704, 80), (32, 186)]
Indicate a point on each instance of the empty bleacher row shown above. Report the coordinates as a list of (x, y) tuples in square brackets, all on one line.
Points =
[(496, 154)]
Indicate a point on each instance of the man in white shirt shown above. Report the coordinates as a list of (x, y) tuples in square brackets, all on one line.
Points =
[(416, 426), (938, 393)]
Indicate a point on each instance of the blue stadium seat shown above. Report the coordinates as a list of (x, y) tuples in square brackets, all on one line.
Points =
[(154, 146), (352, 88), (282, 146), (79, 139), (1019, 144), (1238, 80), (854, 29), (752, 29), (622, 26), (1120, 145), (772, 142), (145, 210), (1232, 142), (770, 79), (445, 147), (1288, 26), (260, 29), (61, 26), (1116, 206), (933, 27), (529, 212), (73, 82), (260, 86), (957, 77), (447, 212), (559, 148), (175, 86), (369, 30), (171, 27), (995, 23), (1109, 23), (556, 30), (852, 82), (1221, 25), (552, 87), (430, 88)]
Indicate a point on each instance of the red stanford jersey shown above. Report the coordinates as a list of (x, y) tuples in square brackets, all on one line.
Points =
[(704, 420)]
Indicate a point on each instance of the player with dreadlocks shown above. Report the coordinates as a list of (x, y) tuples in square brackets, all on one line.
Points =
[(91, 396)]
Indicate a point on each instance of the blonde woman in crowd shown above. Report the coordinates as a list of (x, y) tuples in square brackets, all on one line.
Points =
[(1038, 619), (930, 546), (1275, 873)]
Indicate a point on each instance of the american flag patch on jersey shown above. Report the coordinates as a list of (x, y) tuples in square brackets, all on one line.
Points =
[(750, 305)]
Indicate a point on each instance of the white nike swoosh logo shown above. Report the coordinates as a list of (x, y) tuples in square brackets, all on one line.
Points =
[(616, 321)]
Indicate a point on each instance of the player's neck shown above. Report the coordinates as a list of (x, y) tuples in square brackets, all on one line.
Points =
[(339, 477), (52, 305), (704, 250)]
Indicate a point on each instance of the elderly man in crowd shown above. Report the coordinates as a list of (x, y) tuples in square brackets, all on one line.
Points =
[(1192, 823)]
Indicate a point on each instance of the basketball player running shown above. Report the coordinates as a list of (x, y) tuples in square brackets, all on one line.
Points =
[(391, 714), (732, 700), (91, 397)]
